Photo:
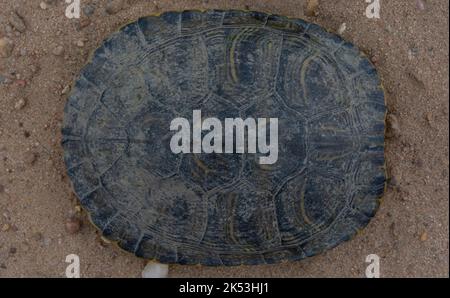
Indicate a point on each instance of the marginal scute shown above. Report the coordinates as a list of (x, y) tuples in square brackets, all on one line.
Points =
[(220, 208), (241, 18)]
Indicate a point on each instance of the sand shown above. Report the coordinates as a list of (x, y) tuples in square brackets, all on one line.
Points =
[(409, 44)]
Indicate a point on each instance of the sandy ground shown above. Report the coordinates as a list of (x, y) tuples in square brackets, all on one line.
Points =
[(409, 44)]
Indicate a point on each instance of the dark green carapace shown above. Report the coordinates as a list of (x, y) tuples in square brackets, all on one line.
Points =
[(226, 209)]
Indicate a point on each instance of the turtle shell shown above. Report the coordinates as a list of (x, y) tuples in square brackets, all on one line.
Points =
[(226, 209)]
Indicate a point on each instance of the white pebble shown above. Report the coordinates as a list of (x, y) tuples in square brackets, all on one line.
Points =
[(58, 51), (80, 43), (342, 28), (20, 104), (65, 90), (155, 270)]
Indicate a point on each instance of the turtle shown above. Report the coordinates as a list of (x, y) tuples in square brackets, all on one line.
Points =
[(213, 208)]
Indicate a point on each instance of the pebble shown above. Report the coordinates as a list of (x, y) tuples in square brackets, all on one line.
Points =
[(20, 104), (65, 90), (43, 5), (424, 237), (412, 53), (393, 127), (89, 9), (6, 47), (6, 227), (73, 225), (16, 21), (312, 8), (342, 28), (155, 270), (429, 118), (6, 215), (374, 59), (114, 6), (83, 23), (58, 50), (420, 5), (4, 80), (80, 43)]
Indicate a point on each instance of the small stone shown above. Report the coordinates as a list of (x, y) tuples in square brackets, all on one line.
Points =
[(393, 127), (89, 9), (6, 227), (155, 270), (157, 6), (342, 28), (80, 43), (43, 5), (12, 250), (73, 225), (312, 8), (6, 47), (374, 59), (424, 237), (65, 90), (16, 21), (31, 158), (412, 53), (114, 6), (83, 23), (20, 104), (429, 117), (58, 50), (420, 5), (4, 80)]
